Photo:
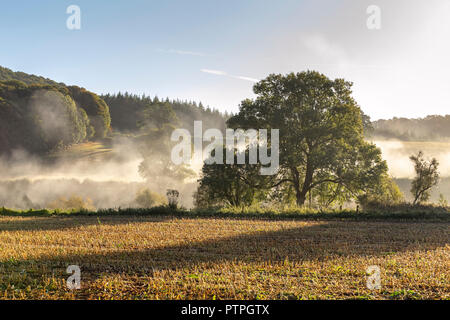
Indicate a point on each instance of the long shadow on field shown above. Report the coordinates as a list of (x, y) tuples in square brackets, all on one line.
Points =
[(304, 243)]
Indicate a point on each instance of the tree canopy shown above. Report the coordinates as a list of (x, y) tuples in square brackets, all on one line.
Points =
[(321, 133), (39, 118)]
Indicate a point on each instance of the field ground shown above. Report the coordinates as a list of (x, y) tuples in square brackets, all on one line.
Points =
[(126, 257)]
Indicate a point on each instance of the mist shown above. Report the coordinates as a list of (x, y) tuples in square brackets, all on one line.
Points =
[(106, 178), (110, 178), (397, 154)]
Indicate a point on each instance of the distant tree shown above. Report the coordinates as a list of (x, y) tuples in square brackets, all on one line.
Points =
[(157, 115), (442, 201), (430, 128), (157, 124), (427, 176), (128, 113), (40, 118), (173, 197), (55, 119), (231, 184), (74, 203), (321, 132), (147, 199), (367, 124), (96, 109), (7, 74), (386, 193)]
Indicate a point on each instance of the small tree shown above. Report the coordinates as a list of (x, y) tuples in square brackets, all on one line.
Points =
[(442, 201), (173, 198), (427, 176), (74, 203), (386, 193), (147, 199), (231, 184)]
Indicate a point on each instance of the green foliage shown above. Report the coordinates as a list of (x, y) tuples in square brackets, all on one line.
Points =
[(147, 199), (231, 185), (157, 124), (433, 127), (173, 197), (73, 203), (385, 194), (367, 125), (57, 118), (96, 109), (427, 176), (321, 133), (157, 116), (155, 147), (330, 195), (399, 212), (442, 201), (27, 79), (154, 121), (39, 115), (127, 111), (85, 122), (39, 118)]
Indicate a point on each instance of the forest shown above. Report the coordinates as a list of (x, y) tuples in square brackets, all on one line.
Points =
[(430, 128)]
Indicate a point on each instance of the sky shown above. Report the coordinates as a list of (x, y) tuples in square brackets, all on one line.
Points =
[(213, 51)]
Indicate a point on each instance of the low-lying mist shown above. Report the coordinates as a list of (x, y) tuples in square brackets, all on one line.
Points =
[(108, 177), (397, 154), (102, 178)]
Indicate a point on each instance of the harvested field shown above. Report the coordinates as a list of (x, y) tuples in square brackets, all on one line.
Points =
[(160, 257)]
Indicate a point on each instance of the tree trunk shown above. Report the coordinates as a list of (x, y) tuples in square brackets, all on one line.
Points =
[(301, 198), (299, 194), (296, 184), (306, 187)]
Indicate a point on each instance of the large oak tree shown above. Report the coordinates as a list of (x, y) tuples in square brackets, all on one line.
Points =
[(321, 132)]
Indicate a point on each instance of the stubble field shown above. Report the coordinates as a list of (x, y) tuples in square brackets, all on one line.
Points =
[(127, 257)]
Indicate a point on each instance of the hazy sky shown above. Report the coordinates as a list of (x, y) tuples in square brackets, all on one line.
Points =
[(213, 51)]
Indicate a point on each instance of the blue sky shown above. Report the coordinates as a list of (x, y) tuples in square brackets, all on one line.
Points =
[(213, 51)]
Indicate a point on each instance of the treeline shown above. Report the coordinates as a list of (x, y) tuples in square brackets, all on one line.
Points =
[(431, 128), (129, 111), (40, 117), (7, 75)]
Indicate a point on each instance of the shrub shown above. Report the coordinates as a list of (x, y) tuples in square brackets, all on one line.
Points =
[(74, 203), (386, 194), (173, 198), (427, 176), (147, 199)]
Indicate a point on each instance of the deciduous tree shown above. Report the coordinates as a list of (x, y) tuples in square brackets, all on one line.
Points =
[(427, 176), (321, 132)]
